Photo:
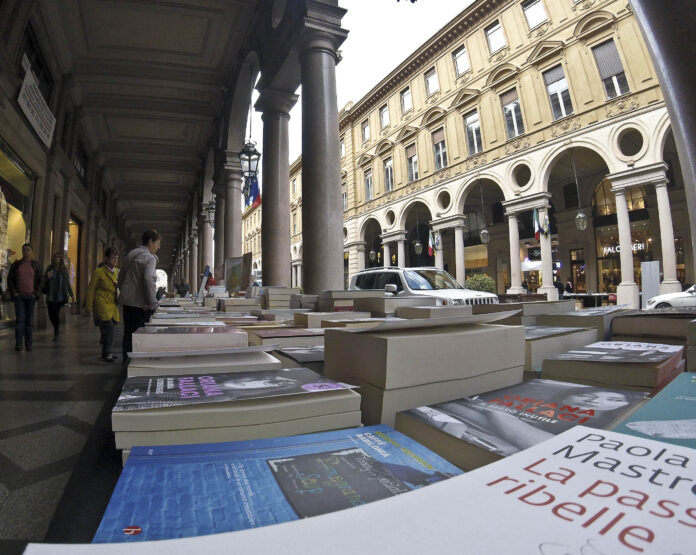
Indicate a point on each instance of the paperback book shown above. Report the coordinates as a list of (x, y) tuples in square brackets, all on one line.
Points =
[(190, 490)]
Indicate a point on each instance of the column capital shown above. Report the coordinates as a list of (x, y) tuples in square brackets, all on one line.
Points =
[(398, 235), (275, 101), (643, 175), (458, 220), (322, 27), (529, 202)]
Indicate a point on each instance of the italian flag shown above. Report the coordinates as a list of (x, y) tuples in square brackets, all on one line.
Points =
[(431, 243), (537, 227)]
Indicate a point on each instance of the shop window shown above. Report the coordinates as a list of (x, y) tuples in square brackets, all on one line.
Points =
[(559, 96), (461, 60), (604, 201), (610, 69)]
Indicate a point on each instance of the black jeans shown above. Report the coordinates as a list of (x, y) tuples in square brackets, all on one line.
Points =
[(133, 318), (106, 327), (24, 310), (54, 315)]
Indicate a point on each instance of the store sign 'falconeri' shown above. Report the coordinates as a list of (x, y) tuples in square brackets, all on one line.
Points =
[(35, 109), (617, 248)]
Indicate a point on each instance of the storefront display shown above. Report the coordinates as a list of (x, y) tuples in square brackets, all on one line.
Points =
[(609, 254)]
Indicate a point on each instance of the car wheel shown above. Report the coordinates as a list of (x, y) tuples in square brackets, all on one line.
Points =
[(664, 305)]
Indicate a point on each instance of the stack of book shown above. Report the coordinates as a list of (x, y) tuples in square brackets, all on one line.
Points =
[(184, 338), (238, 304), (669, 416), (622, 364), (401, 365), (277, 297), (307, 357), (528, 312), (352, 324), (691, 346), (599, 318), (225, 361), (542, 342), (300, 300), (477, 430), (417, 312), (286, 336), (194, 408), (382, 305), (315, 319), (165, 318), (211, 488), (336, 301)]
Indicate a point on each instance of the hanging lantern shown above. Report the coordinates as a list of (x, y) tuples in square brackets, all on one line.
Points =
[(249, 158), (418, 247), (210, 212), (485, 236), (581, 220), (372, 255)]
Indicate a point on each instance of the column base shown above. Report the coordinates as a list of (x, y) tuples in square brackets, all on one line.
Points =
[(516, 291), (551, 292), (627, 294), (672, 286)]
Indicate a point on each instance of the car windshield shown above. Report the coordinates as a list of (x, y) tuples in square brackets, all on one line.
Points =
[(430, 279)]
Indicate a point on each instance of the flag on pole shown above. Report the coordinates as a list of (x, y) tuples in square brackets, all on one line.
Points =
[(537, 227), (251, 185), (546, 228), (431, 243)]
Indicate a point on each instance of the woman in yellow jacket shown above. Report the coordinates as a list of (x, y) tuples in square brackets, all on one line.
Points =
[(102, 301)]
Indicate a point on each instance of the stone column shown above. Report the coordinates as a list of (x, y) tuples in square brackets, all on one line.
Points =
[(275, 240), (299, 274), (361, 256), (547, 286), (439, 252), (627, 290), (387, 255), (233, 206), (669, 284), (459, 254), (322, 214), (401, 256), (515, 263), (195, 270), (205, 238), (219, 269)]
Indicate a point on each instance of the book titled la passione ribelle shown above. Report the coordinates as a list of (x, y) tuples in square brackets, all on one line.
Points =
[(190, 490)]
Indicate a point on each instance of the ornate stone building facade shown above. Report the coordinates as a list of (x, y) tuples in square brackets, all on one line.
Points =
[(518, 111)]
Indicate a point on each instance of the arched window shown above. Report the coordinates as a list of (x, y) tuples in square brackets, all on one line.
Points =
[(604, 201)]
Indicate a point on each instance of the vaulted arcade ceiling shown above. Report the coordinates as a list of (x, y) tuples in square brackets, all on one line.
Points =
[(151, 78)]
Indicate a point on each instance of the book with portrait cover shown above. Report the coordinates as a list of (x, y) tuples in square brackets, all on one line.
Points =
[(153, 392), (474, 431), (669, 416), (190, 490)]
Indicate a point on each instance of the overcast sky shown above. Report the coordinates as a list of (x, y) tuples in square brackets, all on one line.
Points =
[(382, 34)]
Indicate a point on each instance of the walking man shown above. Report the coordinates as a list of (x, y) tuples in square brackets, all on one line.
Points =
[(24, 283)]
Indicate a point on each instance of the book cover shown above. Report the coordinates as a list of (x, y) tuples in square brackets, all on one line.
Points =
[(537, 332), (189, 490), (304, 355), (148, 392), (206, 328), (670, 416), (622, 351), (288, 332), (510, 419)]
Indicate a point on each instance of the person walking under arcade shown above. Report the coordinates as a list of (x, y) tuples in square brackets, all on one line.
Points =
[(57, 289), (138, 286), (102, 296), (24, 283)]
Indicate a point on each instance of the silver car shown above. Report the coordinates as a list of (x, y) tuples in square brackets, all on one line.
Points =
[(426, 281)]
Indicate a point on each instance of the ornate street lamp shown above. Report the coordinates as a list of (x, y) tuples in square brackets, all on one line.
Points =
[(581, 217), (249, 157), (372, 254), (417, 246), (210, 212), (484, 234)]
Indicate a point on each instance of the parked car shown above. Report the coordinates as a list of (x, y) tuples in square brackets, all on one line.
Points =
[(685, 298), (425, 281)]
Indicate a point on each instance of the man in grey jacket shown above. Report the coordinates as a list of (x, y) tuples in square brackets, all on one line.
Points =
[(137, 285)]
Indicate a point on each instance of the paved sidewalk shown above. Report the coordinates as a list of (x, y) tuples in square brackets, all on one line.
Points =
[(58, 465)]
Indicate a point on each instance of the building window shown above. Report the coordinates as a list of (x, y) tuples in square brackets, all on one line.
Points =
[(368, 185), (388, 175), (461, 60), (557, 87), (512, 113), (294, 224), (439, 149), (384, 116), (412, 162), (605, 202), (31, 52), (610, 69), (534, 12), (294, 186), (496, 37), (80, 160), (406, 104), (343, 148), (344, 198), (365, 131), (473, 133), (432, 85)]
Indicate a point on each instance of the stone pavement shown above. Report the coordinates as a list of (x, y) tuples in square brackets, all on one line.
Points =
[(58, 465)]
